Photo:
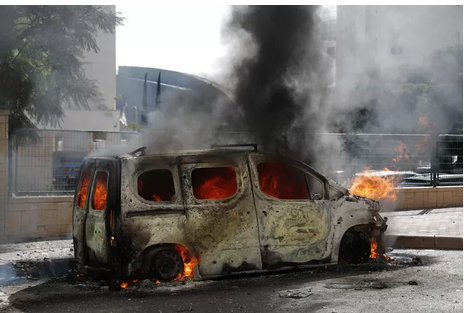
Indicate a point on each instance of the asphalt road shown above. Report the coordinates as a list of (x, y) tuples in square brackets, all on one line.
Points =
[(402, 286)]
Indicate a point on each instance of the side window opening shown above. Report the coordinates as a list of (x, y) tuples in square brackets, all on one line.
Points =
[(214, 183), (315, 187), (83, 188), (156, 185), (283, 181), (100, 191)]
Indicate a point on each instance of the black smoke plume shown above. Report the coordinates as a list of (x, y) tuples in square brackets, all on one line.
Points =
[(281, 87)]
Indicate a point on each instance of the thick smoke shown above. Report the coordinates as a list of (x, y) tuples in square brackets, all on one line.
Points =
[(279, 74), (396, 64), (279, 77)]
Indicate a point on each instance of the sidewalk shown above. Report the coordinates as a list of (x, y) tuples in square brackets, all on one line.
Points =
[(425, 229)]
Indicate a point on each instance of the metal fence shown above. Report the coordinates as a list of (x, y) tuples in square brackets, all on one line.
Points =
[(414, 159), (52, 166)]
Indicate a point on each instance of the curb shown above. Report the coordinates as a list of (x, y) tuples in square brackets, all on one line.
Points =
[(423, 242)]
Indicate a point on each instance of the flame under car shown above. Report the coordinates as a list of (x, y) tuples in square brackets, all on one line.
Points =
[(211, 213)]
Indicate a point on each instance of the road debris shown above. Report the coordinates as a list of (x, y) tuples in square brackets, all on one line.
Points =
[(296, 293)]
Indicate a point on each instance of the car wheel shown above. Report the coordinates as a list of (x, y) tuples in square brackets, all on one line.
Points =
[(355, 247), (163, 264)]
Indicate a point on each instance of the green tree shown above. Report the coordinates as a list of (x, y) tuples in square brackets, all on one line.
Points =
[(41, 47)]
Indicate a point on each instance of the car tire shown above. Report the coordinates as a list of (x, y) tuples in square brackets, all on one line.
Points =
[(163, 264), (354, 248)]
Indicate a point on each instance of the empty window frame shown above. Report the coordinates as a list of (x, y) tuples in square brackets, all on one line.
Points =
[(156, 185), (283, 181), (83, 188), (214, 182), (100, 191)]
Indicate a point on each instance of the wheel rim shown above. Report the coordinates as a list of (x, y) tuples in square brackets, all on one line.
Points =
[(166, 265)]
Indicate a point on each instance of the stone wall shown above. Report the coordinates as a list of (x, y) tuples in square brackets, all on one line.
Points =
[(418, 198), (32, 218), (29, 218)]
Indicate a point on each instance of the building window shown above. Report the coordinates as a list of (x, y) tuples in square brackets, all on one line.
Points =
[(156, 185), (214, 182), (100, 191), (83, 188)]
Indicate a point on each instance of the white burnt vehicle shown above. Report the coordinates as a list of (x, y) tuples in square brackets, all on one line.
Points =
[(215, 212)]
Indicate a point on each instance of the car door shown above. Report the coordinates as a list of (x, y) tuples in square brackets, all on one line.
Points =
[(293, 213), (80, 209), (102, 202), (221, 219)]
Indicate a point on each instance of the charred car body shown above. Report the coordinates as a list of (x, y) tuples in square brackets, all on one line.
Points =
[(214, 212)]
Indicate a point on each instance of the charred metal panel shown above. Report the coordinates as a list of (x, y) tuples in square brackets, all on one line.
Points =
[(350, 211), (148, 223), (97, 232), (96, 237), (224, 232), (290, 231), (79, 217)]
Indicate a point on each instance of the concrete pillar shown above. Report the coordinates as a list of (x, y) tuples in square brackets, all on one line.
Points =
[(3, 169)]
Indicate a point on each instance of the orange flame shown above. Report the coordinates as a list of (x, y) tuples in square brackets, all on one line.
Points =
[(374, 246), (99, 199), (126, 284), (156, 198), (376, 255), (402, 150), (424, 122), (220, 186), (282, 182), (425, 143), (82, 193), (374, 187), (189, 262)]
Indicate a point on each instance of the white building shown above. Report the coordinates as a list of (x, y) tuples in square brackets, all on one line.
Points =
[(101, 66), (389, 36)]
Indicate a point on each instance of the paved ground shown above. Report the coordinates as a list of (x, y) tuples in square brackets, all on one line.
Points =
[(402, 286), (56, 249), (437, 222)]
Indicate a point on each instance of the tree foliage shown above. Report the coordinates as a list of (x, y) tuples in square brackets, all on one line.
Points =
[(41, 50)]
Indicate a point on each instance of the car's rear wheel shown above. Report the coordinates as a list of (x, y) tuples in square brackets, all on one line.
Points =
[(163, 264)]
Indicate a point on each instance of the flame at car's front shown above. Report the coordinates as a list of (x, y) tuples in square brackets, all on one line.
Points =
[(374, 187)]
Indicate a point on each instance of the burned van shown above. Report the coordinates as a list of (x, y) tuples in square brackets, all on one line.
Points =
[(216, 212)]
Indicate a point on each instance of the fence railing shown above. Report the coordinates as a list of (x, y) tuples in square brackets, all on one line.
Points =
[(415, 159), (52, 165)]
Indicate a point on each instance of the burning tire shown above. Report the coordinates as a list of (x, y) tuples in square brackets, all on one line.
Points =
[(355, 247), (163, 264)]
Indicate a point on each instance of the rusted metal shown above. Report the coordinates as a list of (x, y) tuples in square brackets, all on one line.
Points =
[(250, 231)]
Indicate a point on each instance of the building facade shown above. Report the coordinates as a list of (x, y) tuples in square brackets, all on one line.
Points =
[(101, 67)]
